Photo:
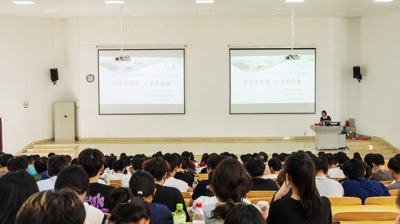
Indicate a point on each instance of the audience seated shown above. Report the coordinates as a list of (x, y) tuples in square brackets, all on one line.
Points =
[(368, 159), (183, 173), (61, 207), (76, 179), (17, 164), (244, 214), (298, 200), (357, 186), (205, 200), (231, 183), (55, 164), (264, 157), (128, 209), (256, 168), (203, 188), (142, 185), (282, 157), (326, 187), (168, 196), (3, 163), (15, 188), (274, 165), (394, 167), (40, 167), (99, 195), (203, 163), (118, 174), (171, 181), (379, 172), (31, 166), (334, 171)]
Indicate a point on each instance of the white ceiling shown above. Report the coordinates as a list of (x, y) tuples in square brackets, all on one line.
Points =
[(188, 8)]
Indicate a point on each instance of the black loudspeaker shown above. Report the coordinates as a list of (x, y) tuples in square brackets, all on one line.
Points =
[(54, 75), (357, 73)]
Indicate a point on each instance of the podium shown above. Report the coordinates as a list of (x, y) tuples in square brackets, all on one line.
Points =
[(329, 137)]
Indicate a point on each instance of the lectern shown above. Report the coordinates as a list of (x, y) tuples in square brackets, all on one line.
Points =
[(329, 137)]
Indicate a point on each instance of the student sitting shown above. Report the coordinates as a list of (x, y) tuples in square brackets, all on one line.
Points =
[(40, 167), (256, 168), (75, 178), (394, 167), (128, 209), (3, 163), (357, 186), (379, 172), (171, 181), (334, 170), (231, 183), (203, 188), (118, 174), (274, 165), (17, 164), (168, 196), (54, 166), (183, 171), (142, 185), (326, 187), (61, 207), (303, 205), (15, 188), (99, 195), (242, 213)]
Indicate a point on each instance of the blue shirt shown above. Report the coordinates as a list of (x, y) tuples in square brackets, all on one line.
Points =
[(31, 170), (160, 214), (363, 189), (44, 176)]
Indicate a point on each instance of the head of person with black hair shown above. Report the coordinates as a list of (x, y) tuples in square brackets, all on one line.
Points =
[(157, 154), (15, 188), (17, 164), (41, 164), (119, 166), (126, 160), (92, 160), (3, 161), (368, 171), (137, 164), (332, 161), (357, 155), (74, 161), (282, 157), (203, 161), (246, 158), (213, 162), (50, 154), (378, 162), (244, 214), (110, 162), (274, 165), (173, 163), (354, 169), (76, 179), (394, 167), (128, 209), (54, 166), (230, 183), (68, 158), (379, 171), (305, 204), (256, 168), (263, 156), (61, 207), (341, 158), (326, 186), (158, 167), (321, 166), (122, 155), (275, 154), (368, 159), (171, 181)]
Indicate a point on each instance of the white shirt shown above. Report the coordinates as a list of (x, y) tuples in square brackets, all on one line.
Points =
[(181, 185), (336, 173), (93, 214), (47, 184), (328, 187), (207, 210), (269, 176)]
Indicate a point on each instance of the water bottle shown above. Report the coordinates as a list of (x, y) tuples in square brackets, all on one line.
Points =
[(179, 215), (198, 216), (195, 183)]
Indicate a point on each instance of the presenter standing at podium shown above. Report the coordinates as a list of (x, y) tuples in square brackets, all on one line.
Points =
[(325, 120)]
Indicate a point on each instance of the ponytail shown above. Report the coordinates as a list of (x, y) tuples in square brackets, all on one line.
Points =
[(302, 171)]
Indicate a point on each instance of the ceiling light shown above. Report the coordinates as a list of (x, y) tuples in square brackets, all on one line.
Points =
[(294, 1), (23, 2), (383, 0), (204, 1), (114, 2)]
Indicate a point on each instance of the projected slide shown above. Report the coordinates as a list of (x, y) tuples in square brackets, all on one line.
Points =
[(263, 81), (152, 82)]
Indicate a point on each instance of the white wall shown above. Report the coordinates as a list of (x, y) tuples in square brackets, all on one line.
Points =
[(207, 74), (29, 48), (375, 102)]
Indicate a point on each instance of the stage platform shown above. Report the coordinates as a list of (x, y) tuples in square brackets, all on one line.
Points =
[(198, 146)]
